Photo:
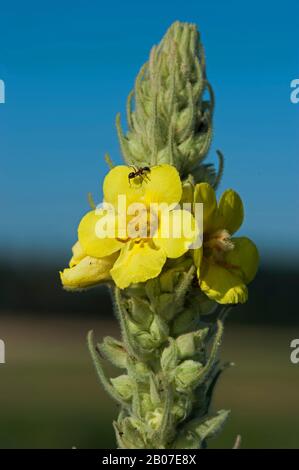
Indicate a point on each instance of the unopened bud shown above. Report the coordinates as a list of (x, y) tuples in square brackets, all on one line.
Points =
[(169, 358), (124, 385), (187, 375), (190, 344)]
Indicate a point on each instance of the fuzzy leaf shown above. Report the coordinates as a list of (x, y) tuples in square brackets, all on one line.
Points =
[(141, 312), (194, 434), (211, 426), (169, 357), (159, 329), (114, 351)]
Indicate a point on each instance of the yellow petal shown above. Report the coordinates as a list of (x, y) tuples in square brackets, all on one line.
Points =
[(137, 262), (78, 254), (197, 257), (163, 185), (117, 183), (230, 211), (221, 285), (93, 241), (204, 193), (177, 231), (88, 272), (244, 258)]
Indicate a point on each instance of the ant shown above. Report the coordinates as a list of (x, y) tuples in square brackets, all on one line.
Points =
[(139, 171)]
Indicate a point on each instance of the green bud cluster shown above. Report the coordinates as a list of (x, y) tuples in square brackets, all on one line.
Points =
[(170, 109), (169, 360)]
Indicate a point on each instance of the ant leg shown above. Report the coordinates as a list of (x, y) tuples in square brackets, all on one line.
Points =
[(134, 168)]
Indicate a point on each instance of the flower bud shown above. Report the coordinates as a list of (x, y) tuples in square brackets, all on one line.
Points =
[(140, 311), (146, 341), (154, 418), (124, 385), (146, 404), (163, 291), (138, 370), (159, 330), (190, 344), (130, 433), (182, 407), (140, 339), (187, 375), (169, 357)]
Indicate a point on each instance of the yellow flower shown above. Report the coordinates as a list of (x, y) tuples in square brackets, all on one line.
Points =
[(143, 256), (225, 265), (86, 271)]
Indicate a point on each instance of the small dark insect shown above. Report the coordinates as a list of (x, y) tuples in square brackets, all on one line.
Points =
[(142, 172)]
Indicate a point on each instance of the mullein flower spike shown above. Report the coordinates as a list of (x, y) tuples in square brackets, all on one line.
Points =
[(164, 287)]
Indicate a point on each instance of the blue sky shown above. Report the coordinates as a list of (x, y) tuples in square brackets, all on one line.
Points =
[(68, 67)]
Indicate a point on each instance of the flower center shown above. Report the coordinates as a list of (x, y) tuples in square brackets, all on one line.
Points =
[(217, 244), (143, 225)]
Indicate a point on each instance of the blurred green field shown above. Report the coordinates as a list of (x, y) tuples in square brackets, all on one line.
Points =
[(50, 397)]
